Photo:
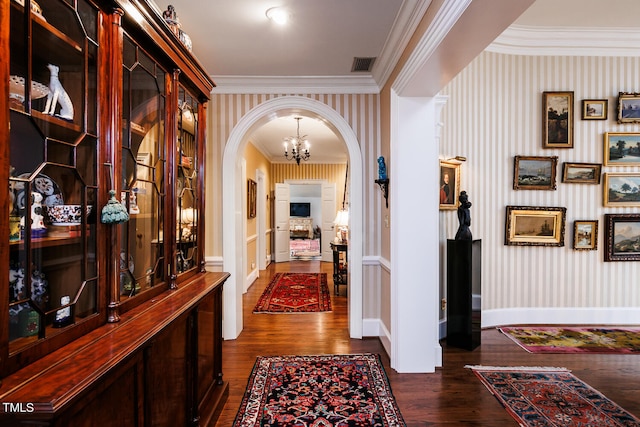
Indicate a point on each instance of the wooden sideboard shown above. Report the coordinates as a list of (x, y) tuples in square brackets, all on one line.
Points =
[(161, 365)]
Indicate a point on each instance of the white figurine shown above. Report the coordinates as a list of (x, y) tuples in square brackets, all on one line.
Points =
[(56, 95)]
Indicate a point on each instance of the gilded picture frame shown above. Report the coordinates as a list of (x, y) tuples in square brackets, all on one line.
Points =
[(535, 172), (581, 173), (534, 226), (628, 108), (621, 149), (252, 189), (557, 113), (449, 185), (621, 189), (622, 234), (585, 235), (595, 109)]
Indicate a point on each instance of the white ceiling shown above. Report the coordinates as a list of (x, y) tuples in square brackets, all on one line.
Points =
[(245, 52)]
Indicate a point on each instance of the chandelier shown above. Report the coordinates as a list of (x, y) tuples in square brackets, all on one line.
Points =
[(299, 146)]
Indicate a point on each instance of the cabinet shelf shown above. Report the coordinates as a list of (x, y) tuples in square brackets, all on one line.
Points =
[(45, 242)]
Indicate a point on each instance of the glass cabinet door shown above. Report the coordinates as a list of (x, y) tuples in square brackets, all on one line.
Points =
[(187, 183), (143, 171), (53, 255)]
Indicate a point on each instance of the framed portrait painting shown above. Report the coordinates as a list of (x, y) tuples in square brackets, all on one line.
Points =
[(621, 149), (534, 172), (622, 189), (449, 184), (585, 235), (535, 226), (622, 237), (557, 113), (628, 107)]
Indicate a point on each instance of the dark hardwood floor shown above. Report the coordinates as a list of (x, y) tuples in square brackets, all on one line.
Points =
[(452, 396)]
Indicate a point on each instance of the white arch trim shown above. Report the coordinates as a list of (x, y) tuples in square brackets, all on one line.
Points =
[(232, 205)]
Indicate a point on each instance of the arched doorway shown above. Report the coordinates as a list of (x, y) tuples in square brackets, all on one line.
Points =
[(232, 204)]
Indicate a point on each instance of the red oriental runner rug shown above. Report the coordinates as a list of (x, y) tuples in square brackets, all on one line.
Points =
[(600, 339), (540, 396), (319, 391), (295, 293)]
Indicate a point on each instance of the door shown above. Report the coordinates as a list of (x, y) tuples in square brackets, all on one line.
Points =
[(283, 253), (328, 215)]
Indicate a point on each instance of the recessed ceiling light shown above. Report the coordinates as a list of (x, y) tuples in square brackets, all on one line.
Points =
[(279, 15)]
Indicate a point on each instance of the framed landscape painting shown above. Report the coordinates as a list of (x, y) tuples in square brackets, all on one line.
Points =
[(628, 107), (535, 226), (581, 173), (622, 189), (557, 113), (534, 173), (622, 237), (622, 149), (585, 235), (594, 109)]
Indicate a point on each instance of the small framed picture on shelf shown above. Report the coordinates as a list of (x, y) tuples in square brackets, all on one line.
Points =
[(628, 107), (581, 173), (535, 226), (622, 189), (594, 109), (585, 235), (557, 113), (622, 148), (622, 234), (449, 185), (534, 172)]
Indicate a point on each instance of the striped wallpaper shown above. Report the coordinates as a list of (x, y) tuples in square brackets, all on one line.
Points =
[(281, 172), (361, 111), (494, 113)]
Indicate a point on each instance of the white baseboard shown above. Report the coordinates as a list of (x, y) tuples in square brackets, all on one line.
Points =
[(564, 316), (214, 263), (253, 275), (375, 328)]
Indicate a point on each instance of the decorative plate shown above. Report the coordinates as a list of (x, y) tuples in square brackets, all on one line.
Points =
[(16, 89), (51, 193)]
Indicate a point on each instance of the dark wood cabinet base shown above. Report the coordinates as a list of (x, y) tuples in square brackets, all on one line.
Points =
[(161, 365)]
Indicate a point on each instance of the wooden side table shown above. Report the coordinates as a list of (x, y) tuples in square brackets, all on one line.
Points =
[(340, 265)]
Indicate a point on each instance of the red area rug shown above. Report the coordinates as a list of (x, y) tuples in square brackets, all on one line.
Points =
[(551, 397), (319, 391), (295, 293), (602, 339)]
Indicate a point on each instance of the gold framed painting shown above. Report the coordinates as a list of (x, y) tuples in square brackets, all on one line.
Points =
[(622, 189), (581, 173), (622, 149), (252, 189), (449, 185), (534, 172), (628, 107), (557, 113), (535, 226), (585, 235), (594, 109)]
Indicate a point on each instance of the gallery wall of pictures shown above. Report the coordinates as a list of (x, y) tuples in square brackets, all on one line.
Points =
[(543, 225), (493, 113)]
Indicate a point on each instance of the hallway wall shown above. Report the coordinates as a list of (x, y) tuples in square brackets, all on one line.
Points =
[(361, 111), (494, 113)]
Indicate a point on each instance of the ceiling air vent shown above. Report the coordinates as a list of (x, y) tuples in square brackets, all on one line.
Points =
[(362, 64)]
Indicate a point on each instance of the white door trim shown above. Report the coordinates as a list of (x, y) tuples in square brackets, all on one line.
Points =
[(232, 211)]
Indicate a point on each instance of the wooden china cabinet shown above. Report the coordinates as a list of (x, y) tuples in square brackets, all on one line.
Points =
[(107, 320)]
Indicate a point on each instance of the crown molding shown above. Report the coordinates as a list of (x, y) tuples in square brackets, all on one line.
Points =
[(567, 41), (295, 84)]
